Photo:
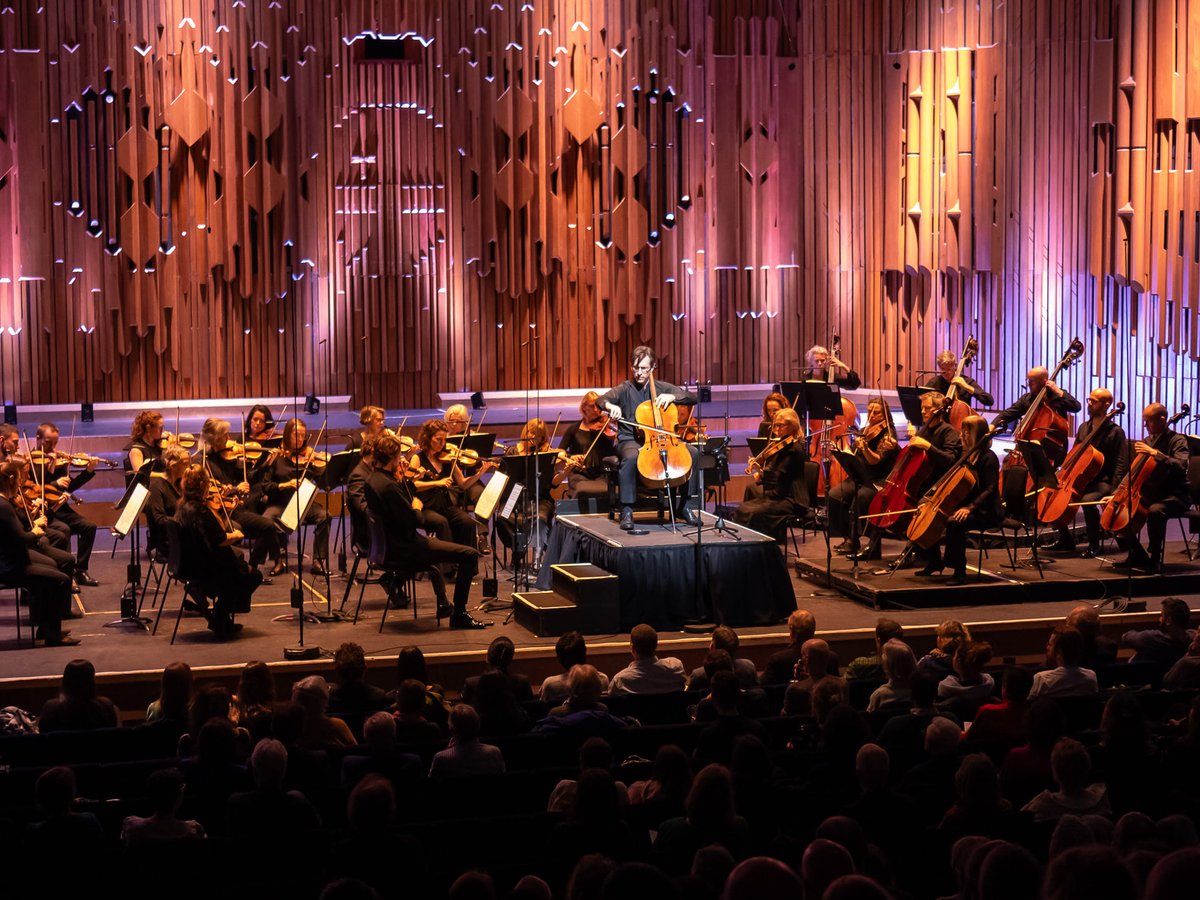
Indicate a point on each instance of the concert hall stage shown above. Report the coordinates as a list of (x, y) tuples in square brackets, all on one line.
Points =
[(1067, 579), (744, 578)]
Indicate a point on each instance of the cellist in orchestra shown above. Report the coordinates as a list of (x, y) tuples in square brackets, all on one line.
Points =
[(1112, 443), (820, 361), (781, 474), (969, 390), (937, 437), (588, 444), (56, 470), (979, 509), (242, 484), (877, 447), (622, 401), (1056, 398), (1165, 493)]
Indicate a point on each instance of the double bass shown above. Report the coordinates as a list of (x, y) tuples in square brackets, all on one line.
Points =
[(1126, 510), (1056, 505), (663, 460), (959, 409), (940, 501), (1041, 424), (826, 436)]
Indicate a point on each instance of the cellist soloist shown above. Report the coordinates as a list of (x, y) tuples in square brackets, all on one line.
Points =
[(623, 401)]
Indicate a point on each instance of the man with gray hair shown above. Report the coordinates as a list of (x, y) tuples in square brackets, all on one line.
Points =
[(269, 810)]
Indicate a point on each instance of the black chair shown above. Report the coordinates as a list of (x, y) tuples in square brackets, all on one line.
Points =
[(18, 592), (179, 571), (398, 580), (1193, 514), (1018, 512), (810, 520)]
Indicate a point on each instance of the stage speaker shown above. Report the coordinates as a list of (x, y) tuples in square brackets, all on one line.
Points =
[(704, 393), (87, 412), (477, 401), (10, 414), (312, 405)]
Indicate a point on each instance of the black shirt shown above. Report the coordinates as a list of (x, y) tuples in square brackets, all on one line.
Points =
[(577, 440), (980, 396), (783, 475), (15, 541), (628, 396), (1170, 477), (848, 380), (1111, 442), (984, 497), (1063, 405), (945, 445)]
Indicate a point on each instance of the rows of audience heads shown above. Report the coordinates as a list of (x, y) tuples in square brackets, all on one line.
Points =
[(902, 772)]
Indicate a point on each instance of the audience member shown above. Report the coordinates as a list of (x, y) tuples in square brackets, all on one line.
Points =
[(1004, 721), (1097, 649), (383, 757), (870, 668), (1185, 673), (77, 707), (352, 697), (647, 673), (781, 665), (372, 851), (979, 807), (582, 714), (1027, 770), (1065, 678), (465, 755), (500, 714), (930, 784), (903, 736), (1088, 873), (212, 701), (823, 863), (666, 790), (725, 638), (59, 829), (500, 654), (594, 753), (898, 665), (939, 662), (321, 731), (711, 818), (571, 651), (1072, 768), (214, 772), (760, 877), (715, 744), (410, 663), (411, 725), (165, 789), (595, 824), (268, 812), (174, 696), (1166, 643), (814, 665), (255, 700), (968, 687)]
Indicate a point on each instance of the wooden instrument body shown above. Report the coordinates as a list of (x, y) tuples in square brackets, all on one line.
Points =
[(904, 484), (663, 459), (929, 523), (1082, 465), (828, 436), (959, 409), (1125, 512)]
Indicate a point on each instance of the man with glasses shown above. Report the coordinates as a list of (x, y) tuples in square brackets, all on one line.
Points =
[(458, 422), (623, 401)]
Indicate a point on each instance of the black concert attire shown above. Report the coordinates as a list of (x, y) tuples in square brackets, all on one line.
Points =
[(354, 442), (149, 451), (986, 511), (263, 531), (848, 500), (162, 504), (406, 548), (784, 494), (220, 568), (847, 381), (628, 396), (356, 499), (441, 514), (280, 471), (67, 516), (23, 563), (945, 447), (980, 397), (518, 526), (764, 429), (589, 483), (1112, 443), (1166, 494), (1064, 405)]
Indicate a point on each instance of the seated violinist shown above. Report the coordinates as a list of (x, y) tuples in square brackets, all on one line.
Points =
[(772, 404), (589, 444), (457, 419), (979, 509), (1164, 492), (405, 547), (260, 424), (56, 471), (1112, 444), (55, 534), (210, 552), (10, 442), (781, 474), (437, 475), (458, 424), (241, 484), (623, 401), (371, 418), (877, 448), (145, 442), (516, 533), (166, 487), (294, 461)]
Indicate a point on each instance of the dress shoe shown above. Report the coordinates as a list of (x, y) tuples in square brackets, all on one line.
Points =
[(931, 569), (445, 610), (844, 547), (1132, 561), (464, 622), (85, 580), (319, 567), (872, 551), (1091, 552), (691, 515), (1061, 546), (74, 612), (62, 639), (958, 579), (279, 568), (627, 518)]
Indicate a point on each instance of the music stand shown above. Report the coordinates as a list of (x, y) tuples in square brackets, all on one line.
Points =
[(131, 505), (488, 506), (337, 473), (482, 443), (757, 445), (294, 514), (530, 470), (794, 391), (856, 469), (910, 402)]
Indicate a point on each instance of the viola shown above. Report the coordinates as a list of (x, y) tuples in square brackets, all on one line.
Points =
[(186, 440), (663, 459), (1126, 510), (959, 410), (945, 498), (1056, 505), (827, 436)]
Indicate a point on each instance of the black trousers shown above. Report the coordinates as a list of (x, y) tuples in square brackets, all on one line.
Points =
[(450, 524), (1097, 490), (955, 541), (317, 516), (847, 501), (83, 528), (1158, 514), (49, 592), (627, 476), (262, 530), (464, 557)]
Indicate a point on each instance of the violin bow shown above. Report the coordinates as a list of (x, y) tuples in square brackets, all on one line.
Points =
[(304, 472), (245, 471), (40, 482)]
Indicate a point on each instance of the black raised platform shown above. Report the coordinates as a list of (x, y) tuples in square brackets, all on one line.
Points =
[(1067, 578), (744, 578)]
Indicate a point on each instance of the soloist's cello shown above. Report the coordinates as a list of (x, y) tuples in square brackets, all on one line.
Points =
[(1056, 505), (663, 459)]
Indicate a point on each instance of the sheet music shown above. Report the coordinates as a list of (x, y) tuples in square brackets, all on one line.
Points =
[(492, 492), (297, 507), (133, 508)]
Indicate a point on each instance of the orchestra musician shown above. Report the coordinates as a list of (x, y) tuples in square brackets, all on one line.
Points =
[(1166, 492), (232, 472), (281, 478), (458, 423), (458, 420), (622, 401), (436, 475), (533, 439), (163, 502), (1056, 398), (781, 475), (969, 390), (56, 470), (56, 534), (405, 547), (10, 442), (877, 448), (1112, 443), (371, 418), (979, 509), (222, 567), (772, 404), (937, 437), (820, 361), (260, 424), (589, 445), (145, 442)]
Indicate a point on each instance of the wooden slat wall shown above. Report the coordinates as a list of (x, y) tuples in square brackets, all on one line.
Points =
[(216, 197)]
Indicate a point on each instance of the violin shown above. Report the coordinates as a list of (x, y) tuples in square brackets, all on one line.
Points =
[(186, 440), (959, 410), (307, 456), (757, 464), (1055, 505), (1126, 510), (663, 459), (74, 460), (466, 459), (832, 435), (251, 451), (222, 499)]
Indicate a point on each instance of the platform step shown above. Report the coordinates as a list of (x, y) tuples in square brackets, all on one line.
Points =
[(594, 591), (545, 613)]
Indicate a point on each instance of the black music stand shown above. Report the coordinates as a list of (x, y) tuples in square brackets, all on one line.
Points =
[(531, 471), (483, 444), (337, 473), (823, 401), (794, 391), (856, 469), (1041, 470), (131, 611), (910, 402)]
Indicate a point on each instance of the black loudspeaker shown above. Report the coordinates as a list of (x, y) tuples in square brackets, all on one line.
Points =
[(312, 405), (704, 393), (87, 413), (10, 414), (477, 401)]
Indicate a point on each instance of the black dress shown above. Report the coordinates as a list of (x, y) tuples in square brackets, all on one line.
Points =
[(784, 493)]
